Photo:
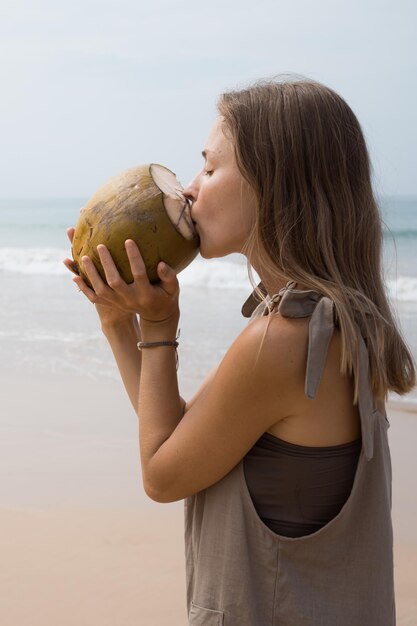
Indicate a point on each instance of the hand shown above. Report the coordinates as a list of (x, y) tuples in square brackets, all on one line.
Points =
[(154, 303), (108, 314)]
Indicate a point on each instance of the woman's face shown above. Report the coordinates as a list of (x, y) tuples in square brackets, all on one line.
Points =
[(223, 203)]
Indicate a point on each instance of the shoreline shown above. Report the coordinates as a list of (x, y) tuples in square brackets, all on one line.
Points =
[(401, 406)]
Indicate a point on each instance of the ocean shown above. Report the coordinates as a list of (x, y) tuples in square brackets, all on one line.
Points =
[(48, 328)]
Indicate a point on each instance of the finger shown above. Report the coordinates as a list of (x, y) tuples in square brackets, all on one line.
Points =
[(100, 288), (70, 234), (168, 277), (69, 264), (89, 293), (137, 264), (113, 278)]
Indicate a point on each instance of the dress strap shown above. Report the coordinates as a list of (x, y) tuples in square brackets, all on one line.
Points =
[(290, 302), (366, 402), (252, 302), (320, 332)]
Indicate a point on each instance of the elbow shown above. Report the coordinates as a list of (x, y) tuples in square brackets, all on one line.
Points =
[(158, 496), (163, 496), (151, 492), (155, 493), (159, 485)]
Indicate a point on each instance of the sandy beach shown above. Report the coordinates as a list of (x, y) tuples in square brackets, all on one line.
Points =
[(80, 541)]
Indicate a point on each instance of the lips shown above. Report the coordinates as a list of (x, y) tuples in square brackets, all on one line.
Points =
[(191, 207)]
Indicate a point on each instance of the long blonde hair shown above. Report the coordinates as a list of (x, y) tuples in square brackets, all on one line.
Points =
[(301, 148)]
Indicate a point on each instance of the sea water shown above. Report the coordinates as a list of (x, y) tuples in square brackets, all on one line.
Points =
[(47, 327)]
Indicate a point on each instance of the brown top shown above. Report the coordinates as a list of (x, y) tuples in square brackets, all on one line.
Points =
[(298, 489), (239, 572)]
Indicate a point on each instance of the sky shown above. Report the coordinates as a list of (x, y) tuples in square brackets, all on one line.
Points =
[(89, 88)]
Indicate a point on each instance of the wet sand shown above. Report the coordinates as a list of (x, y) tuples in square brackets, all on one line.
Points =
[(81, 543)]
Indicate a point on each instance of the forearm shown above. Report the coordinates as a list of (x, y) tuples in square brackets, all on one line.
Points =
[(123, 337), (160, 404)]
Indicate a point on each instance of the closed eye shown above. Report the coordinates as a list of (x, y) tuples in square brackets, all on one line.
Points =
[(208, 172)]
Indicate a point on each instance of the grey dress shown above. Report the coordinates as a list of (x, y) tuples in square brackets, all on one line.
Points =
[(241, 573)]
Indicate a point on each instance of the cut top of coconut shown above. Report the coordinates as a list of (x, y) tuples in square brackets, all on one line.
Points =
[(176, 204)]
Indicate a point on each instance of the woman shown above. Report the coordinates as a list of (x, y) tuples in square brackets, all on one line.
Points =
[(282, 455)]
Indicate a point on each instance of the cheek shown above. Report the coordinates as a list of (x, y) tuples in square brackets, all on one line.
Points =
[(210, 203)]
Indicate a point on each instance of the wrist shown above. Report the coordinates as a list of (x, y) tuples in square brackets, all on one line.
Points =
[(121, 325), (165, 330)]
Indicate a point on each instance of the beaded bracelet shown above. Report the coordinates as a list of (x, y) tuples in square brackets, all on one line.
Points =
[(152, 344), (155, 344)]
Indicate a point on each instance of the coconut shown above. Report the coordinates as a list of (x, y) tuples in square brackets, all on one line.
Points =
[(146, 204)]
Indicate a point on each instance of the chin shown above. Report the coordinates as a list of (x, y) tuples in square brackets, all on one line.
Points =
[(204, 252), (215, 252)]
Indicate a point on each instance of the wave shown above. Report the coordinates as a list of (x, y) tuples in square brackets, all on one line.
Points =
[(224, 273), (400, 234), (35, 336), (404, 289), (216, 273), (43, 261)]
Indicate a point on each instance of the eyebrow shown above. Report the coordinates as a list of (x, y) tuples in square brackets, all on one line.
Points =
[(204, 153)]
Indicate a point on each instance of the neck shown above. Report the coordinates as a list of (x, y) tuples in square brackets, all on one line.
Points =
[(273, 284)]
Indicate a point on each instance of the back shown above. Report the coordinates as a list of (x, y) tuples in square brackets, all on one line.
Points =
[(328, 419)]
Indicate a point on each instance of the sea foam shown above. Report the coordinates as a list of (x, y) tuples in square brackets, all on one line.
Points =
[(225, 273), (404, 288), (43, 261), (212, 273)]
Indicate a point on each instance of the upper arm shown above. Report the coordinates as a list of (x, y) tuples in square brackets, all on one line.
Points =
[(203, 387), (227, 419)]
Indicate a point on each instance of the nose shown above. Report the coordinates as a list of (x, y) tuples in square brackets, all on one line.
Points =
[(191, 190)]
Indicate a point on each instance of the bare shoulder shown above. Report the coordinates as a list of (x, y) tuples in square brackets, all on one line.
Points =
[(266, 348), (280, 345), (263, 370)]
